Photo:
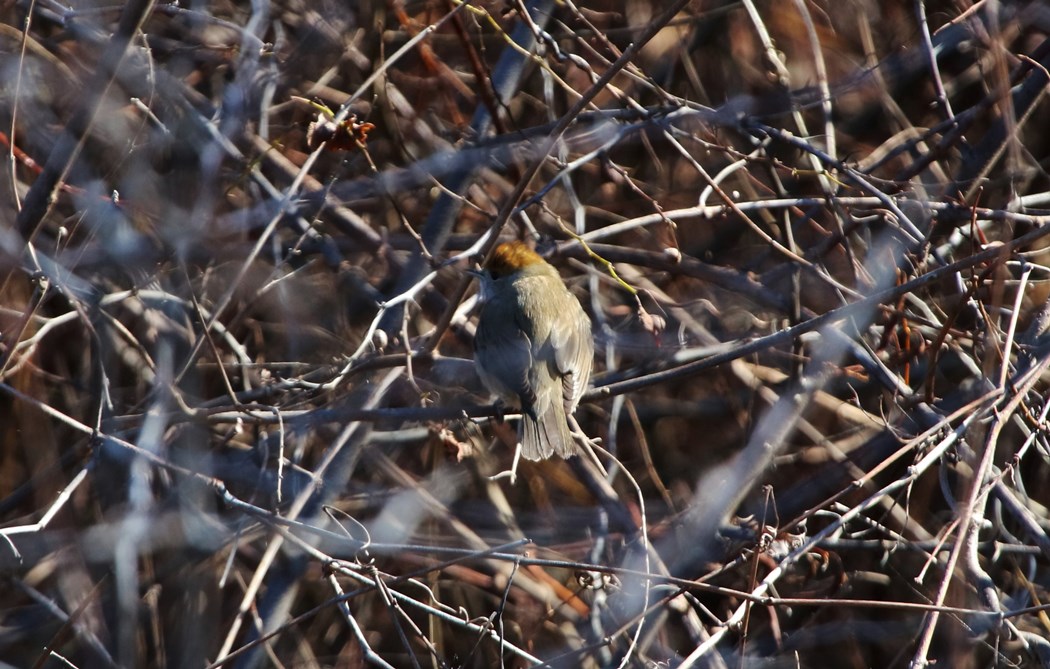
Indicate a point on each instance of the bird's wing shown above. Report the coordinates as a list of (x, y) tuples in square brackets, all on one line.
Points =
[(507, 360), (574, 355)]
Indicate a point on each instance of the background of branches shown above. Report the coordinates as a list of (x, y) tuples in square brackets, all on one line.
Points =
[(235, 361)]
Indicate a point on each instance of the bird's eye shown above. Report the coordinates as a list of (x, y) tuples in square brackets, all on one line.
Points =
[(494, 273)]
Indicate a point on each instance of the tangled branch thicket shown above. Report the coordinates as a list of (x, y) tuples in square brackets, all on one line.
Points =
[(240, 421)]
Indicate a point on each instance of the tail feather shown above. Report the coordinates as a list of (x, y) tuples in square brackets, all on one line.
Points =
[(546, 435)]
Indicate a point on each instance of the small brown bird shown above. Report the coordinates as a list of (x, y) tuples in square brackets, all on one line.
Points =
[(533, 347)]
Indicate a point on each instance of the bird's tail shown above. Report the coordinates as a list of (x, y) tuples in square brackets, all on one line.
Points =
[(543, 436)]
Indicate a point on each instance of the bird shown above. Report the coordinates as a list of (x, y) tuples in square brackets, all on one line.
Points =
[(533, 347)]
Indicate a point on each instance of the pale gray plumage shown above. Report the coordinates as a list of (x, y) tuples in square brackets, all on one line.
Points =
[(533, 347)]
